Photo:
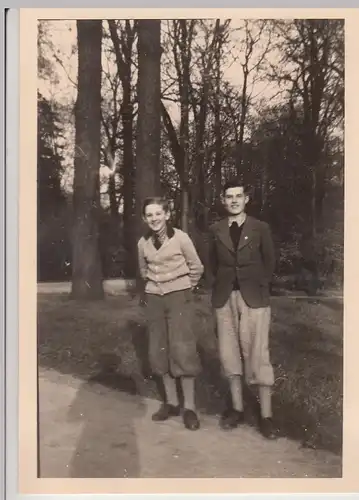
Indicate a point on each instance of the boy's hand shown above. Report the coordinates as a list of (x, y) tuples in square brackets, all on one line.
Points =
[(196, 289), (143, 301)]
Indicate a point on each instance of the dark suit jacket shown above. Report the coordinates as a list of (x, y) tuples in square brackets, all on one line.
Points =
[(253, 262)]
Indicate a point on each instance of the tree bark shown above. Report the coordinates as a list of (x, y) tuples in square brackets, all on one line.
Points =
[(112, 196), (149, 115), (124, 62), (86, 263), (184, 128), (199, 192), (242, 122), (217, 128), (264, 176)]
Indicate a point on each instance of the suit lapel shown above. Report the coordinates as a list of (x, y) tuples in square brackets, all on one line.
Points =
[(223, 234), (225, 237), (246, 233)]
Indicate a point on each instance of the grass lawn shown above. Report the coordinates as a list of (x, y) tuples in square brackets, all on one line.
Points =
[(106, 341)]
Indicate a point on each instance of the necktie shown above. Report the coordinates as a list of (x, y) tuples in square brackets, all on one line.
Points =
[(235, 233), (156, 241)]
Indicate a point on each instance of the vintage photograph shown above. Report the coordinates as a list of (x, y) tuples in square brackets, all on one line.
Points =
[(190, 248)]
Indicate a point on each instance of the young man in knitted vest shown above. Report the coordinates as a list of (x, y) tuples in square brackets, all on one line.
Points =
[(242, 264)]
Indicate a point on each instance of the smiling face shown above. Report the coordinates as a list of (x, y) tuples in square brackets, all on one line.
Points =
[(156, 217), (235, 200)]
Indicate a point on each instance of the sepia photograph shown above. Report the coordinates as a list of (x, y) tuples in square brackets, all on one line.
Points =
[(190, 209)]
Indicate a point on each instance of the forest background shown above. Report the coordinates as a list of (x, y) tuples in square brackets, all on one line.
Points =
[(127, 108)]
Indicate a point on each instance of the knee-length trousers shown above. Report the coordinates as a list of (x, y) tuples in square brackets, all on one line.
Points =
[(172, 340), (243, 337)]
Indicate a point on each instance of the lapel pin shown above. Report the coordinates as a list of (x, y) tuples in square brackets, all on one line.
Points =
[(246, 237)]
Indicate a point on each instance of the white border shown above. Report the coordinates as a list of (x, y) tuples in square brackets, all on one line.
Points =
[(11, 290)]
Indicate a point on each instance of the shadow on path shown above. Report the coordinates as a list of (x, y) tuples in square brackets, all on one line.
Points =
[(106, 429), (212, 389)]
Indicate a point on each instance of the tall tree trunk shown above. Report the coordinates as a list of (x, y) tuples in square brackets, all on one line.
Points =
[(149, 114), (124, 69), (217, 129), (264, 176), (242, 122), (128, 180), (320, 193), (112, 196), (199, 190), (184, 128), (109, 157), (86, 264), (312, 154)]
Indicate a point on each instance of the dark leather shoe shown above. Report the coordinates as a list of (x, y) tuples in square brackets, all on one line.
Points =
[(165, 412), (231, 419), (190, 420), (267, 428)]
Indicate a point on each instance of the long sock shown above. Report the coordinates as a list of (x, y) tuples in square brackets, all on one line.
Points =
[(265, 400), (235, 383), (188, 386), (170, 389)]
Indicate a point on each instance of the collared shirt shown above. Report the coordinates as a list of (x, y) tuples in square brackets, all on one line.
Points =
[(236, 218), (160, 237)]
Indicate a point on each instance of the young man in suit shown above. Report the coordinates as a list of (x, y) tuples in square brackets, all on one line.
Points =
[(242, 264)]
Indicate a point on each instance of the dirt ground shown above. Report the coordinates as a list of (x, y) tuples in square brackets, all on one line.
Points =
[(88, 430), (108, 343)]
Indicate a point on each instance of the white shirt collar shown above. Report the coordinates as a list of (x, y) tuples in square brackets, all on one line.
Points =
[(236, 218)]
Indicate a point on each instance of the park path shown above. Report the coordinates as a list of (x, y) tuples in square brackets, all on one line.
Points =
[(88, 430)]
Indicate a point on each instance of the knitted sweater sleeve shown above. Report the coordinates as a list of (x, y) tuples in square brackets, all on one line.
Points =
[(193, 261), (142, 264)]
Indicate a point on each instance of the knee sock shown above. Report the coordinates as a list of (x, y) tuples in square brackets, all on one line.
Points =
[(265, 400), (235, 383), (188, 388), (170, 389)]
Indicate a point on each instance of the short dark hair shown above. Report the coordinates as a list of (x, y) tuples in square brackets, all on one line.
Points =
[(156, 200), (237, 182)]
